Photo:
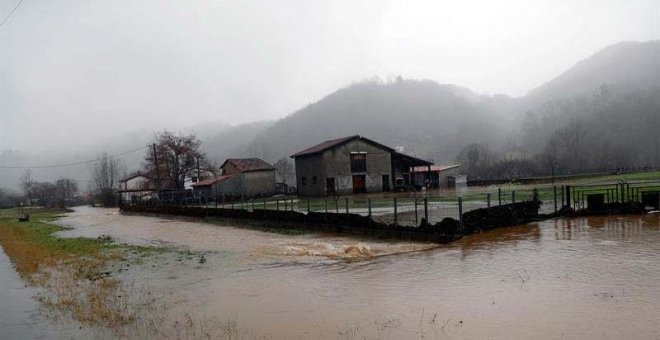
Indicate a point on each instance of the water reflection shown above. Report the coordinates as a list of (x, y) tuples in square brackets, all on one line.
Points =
[(613, 227), (499, 238)]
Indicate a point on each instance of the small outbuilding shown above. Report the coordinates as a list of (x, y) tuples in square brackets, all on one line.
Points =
[(136, 187), (439, 176), (240, 178)]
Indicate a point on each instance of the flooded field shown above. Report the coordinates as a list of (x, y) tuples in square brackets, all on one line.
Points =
[(586, 278)]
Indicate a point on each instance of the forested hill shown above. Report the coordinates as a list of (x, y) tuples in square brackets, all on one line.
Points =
[(613, 90), (602, 113), (427, 118), (629, 66)]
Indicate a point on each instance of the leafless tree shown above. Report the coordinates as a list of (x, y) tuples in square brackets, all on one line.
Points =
[(285, 171), (105, 174), (66, 189), (551, 156), (27, 184), (177, 159)]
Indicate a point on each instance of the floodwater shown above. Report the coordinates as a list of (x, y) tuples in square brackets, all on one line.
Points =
[(583, 278), (19, 314)]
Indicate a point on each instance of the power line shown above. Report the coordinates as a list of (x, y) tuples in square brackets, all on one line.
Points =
[(10, 13), (67, 164)]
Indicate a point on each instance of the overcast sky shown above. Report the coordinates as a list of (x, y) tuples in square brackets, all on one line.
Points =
[(74, 71)]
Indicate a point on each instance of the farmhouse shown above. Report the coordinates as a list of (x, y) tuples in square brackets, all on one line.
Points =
[(353, 164), (240, 178), (136, 187)]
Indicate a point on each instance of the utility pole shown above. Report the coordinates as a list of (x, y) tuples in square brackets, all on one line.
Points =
[(157, 168)]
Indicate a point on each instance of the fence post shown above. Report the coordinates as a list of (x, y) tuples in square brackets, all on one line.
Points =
[(326, 205), (513, 196), (308, 206), (499, 196), (264, 203), (337, 205), (369, 205), (395, 212), (555, 197), (460, 211), (415, 202), (285, 207), (253, 205), (347, 205), (426, 210), (562, 196), (488, 199), (277, 204)]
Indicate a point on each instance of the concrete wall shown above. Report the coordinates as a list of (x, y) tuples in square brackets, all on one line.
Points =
[(309, 167), (336, 163), (443, 178), (139, 182), (230, 187), (259, 183), (248, 184)]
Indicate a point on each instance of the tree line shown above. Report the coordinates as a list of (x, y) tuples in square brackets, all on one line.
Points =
[(609, 131)]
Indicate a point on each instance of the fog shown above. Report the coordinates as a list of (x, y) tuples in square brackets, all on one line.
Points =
[(74, 75)]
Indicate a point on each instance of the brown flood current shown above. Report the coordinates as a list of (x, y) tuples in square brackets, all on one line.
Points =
[(584, 278)]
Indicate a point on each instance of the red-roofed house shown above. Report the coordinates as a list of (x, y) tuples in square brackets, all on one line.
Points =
[(240, 177)]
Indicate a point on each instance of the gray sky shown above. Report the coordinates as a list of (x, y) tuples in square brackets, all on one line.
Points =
[(74, 71)]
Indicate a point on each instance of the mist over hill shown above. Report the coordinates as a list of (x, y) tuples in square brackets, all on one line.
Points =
[(603, 112), (630, 66), (606, 102), (426, 118)]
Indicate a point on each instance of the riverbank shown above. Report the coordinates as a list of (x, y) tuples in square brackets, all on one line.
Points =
[(74, 277)]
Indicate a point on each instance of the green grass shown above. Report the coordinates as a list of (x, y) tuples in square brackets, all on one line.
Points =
[(83, 285)]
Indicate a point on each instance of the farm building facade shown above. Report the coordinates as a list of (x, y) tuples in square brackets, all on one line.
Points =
[(240, 178), (353, 164), (136, 187)]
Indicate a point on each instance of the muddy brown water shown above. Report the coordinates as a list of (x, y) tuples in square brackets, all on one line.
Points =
[(585, 278)]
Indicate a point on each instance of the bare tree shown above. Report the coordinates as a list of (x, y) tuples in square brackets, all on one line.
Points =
[(66, 189), (285, 171), (105, 175), (27, 183), (175, 159), (551, 156)]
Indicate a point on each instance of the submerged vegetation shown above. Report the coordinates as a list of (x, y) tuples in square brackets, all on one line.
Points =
[(72, 276)]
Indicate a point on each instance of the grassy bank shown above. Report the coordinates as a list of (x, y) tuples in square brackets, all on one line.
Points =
[(71, 275)]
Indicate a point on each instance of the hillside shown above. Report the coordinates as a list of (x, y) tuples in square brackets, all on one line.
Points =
[(426, 118), (628, 66), (437, 121)]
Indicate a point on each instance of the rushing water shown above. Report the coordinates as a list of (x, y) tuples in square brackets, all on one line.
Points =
[(584, 278)]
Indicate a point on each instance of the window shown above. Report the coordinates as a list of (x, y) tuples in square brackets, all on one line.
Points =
[(358, 162), (314, 180), (304, 181)]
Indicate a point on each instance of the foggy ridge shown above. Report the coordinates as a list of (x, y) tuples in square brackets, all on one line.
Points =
[(431, 120)]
